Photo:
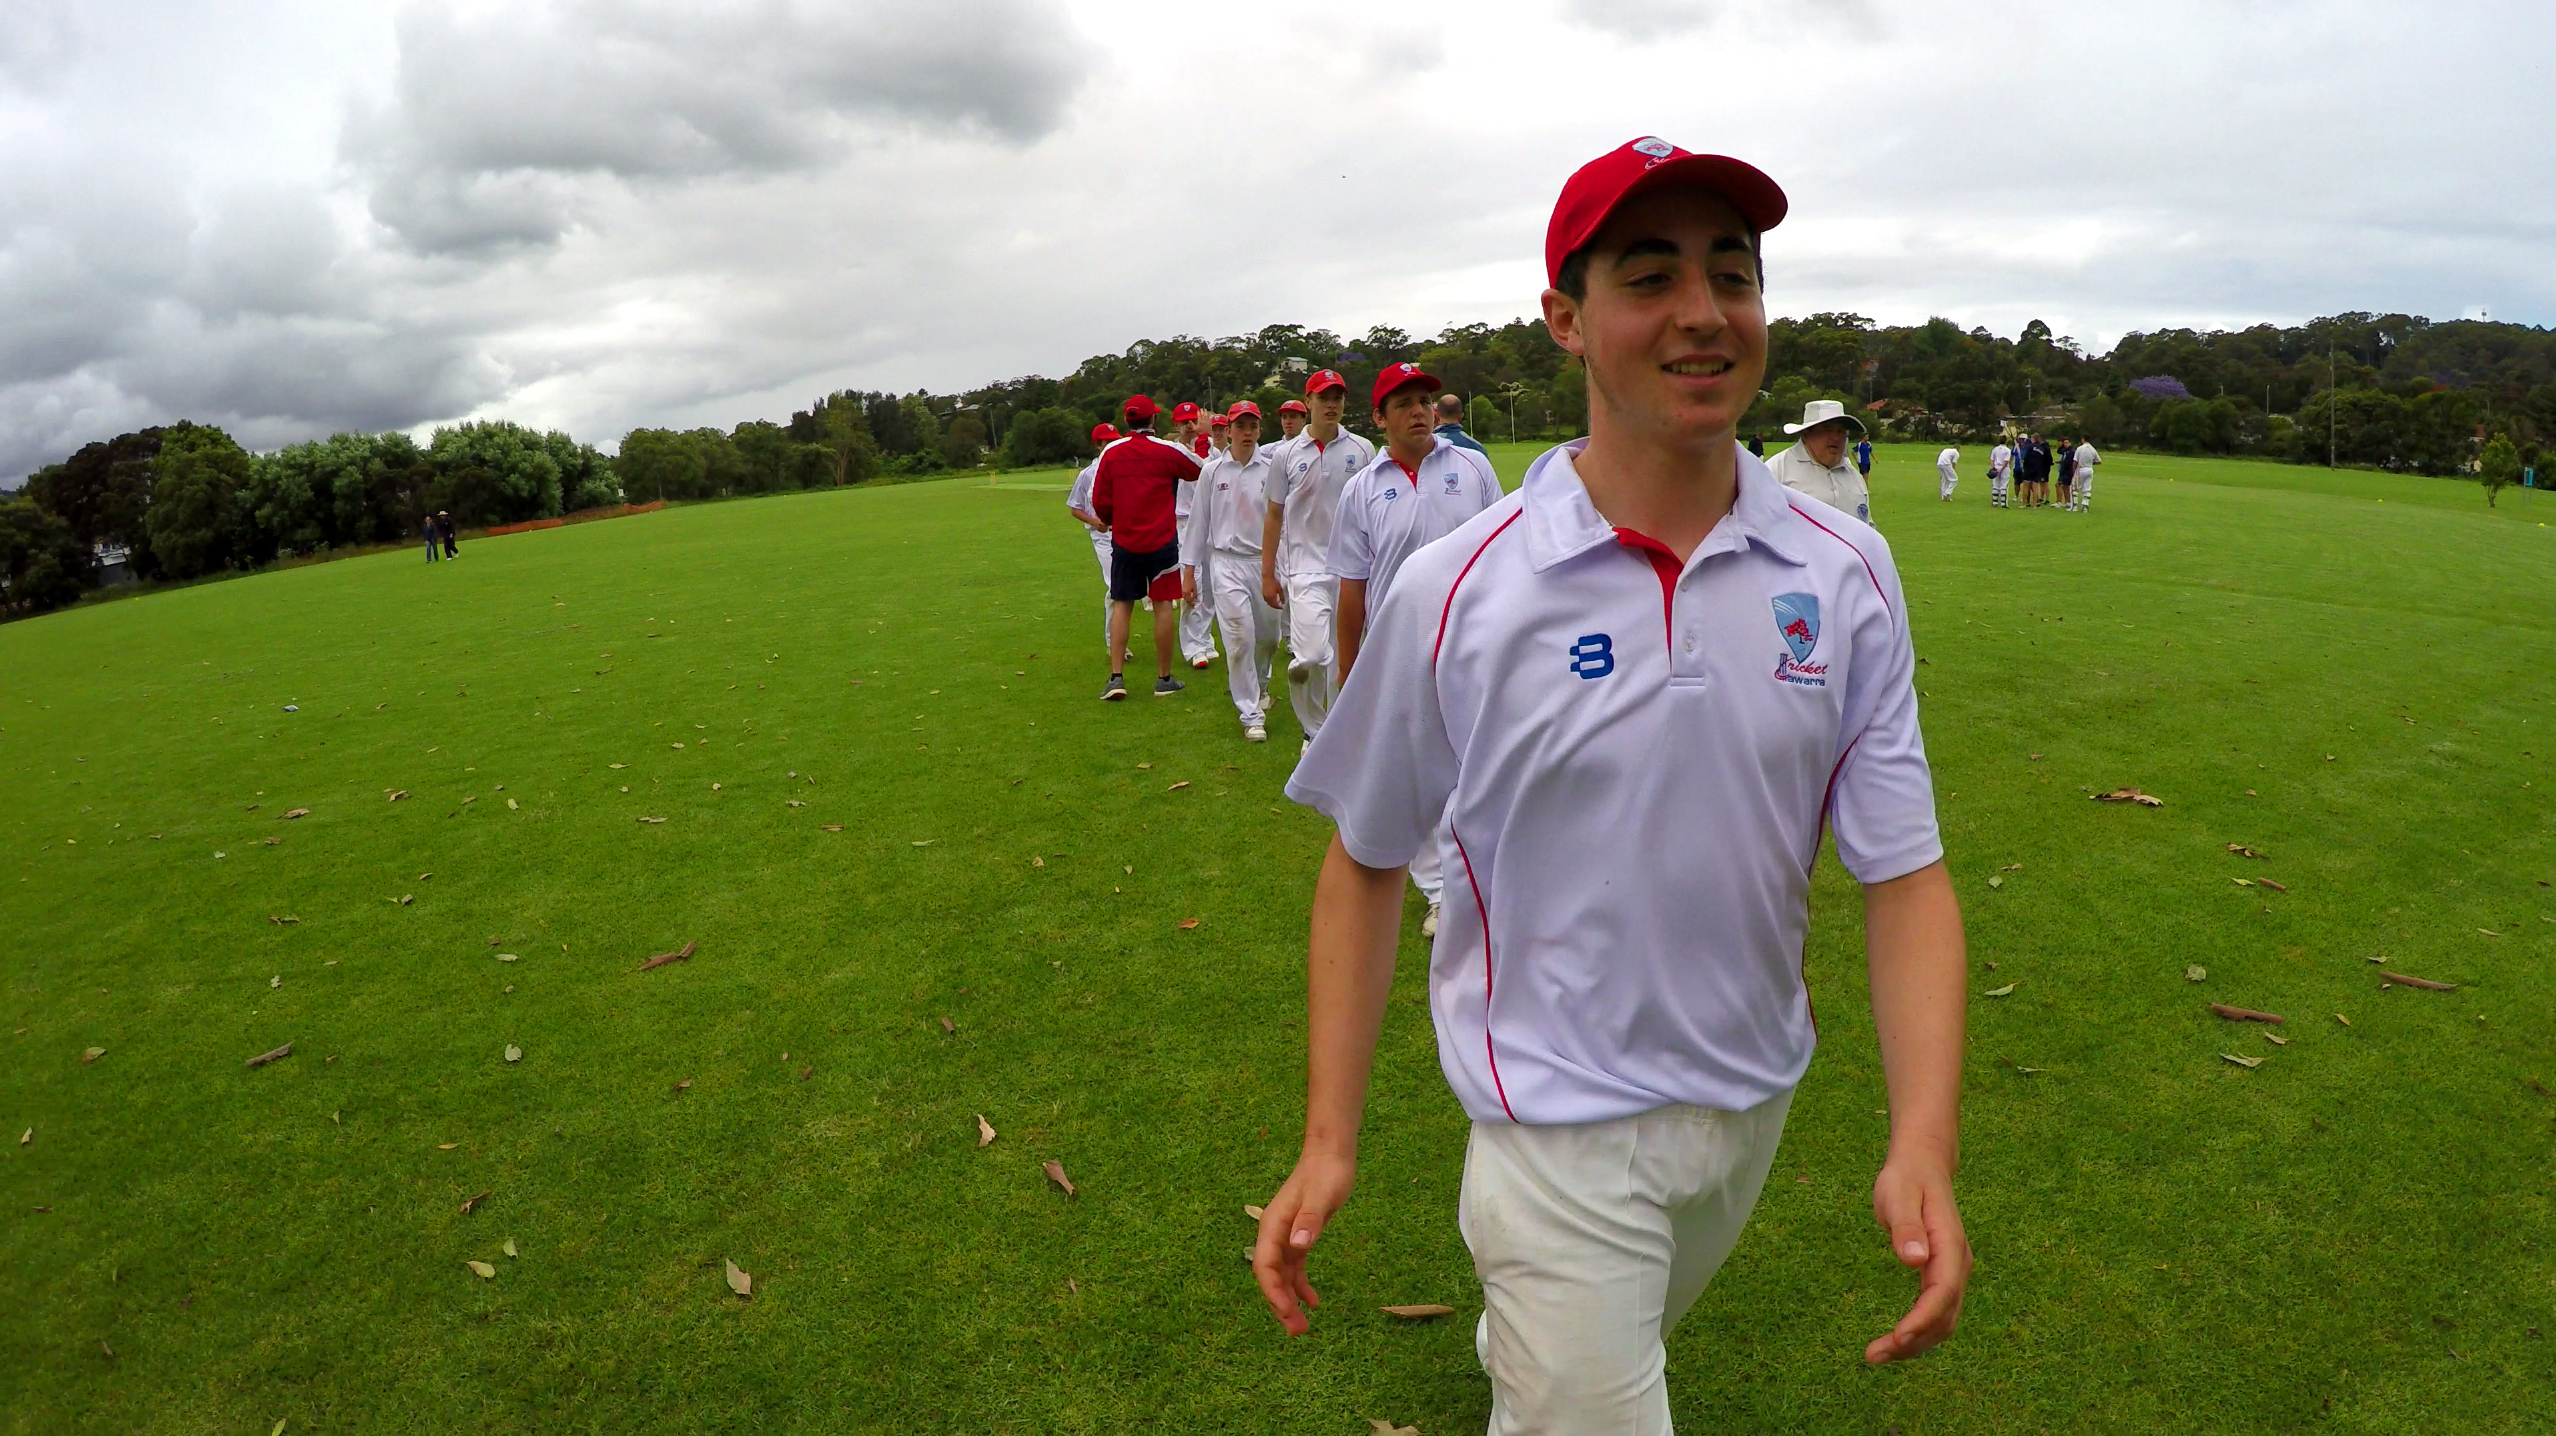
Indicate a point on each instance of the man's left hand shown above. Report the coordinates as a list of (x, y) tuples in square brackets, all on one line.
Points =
[(1913, 1201)]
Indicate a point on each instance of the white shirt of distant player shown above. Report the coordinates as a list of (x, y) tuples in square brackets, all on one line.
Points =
[(2087, 458), (1078, 499), (1948, 459), (1641, 757), (1306, 477), (2000, 459), (1232, 505), (1185, 492), (1388, 513)]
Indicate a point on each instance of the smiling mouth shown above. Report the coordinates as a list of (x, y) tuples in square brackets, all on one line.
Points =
[(1699, 368)]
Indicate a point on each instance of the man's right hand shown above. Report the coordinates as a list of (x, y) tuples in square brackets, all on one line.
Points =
[(1270, 592), (1289, 1227)]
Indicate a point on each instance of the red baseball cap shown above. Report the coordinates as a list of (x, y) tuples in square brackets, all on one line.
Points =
[(1183, 412), (1104, 433), (1245, 406), (1294, 406), (1218, 421), (1324, 379), (1402, 376), (1649, 163), (1139, 407)]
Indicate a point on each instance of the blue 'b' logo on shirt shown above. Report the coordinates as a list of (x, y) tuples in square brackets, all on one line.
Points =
[(1593, 656)]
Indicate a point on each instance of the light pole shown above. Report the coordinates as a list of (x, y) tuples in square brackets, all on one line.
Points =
[(2333, 397), (1510, 391)]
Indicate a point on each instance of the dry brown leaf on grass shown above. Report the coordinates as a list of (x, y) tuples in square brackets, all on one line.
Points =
[(1036, 861), (2245, 1014), (509, 1247), (263, 1058), (2425, 983), (2011, 868), (296, 813), (1418, 1313), (2242, 882), (2005, 991), (797, 803), (93, 1054), (2339, 1017), (1387, 1428), (1187, 923), (684, 1086), (446, 1146), (281, 920), (1176, 787), (2196, 973), (514, 1053), (1056, 1173), (652, 820), (681, 954), (2241, 850), (1252, 1212), (2130, 795), (984, 1131), (26, 1137), (473, 1204), (2242, 1061), (2276, 1039), (398, 793), (1996, 880), (833, 827), (481, 1269), (740, 1280), (948, 1026), (806, 1072)]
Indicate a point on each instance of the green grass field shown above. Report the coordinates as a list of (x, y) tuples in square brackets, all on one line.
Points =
[(2354, 1236)]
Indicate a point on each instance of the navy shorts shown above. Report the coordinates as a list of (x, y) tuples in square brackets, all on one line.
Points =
[(1154, 574)]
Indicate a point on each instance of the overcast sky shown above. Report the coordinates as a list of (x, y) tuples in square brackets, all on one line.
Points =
[(293, 217)]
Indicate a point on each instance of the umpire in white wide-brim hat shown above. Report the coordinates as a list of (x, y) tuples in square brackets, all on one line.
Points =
[(1816, 463)]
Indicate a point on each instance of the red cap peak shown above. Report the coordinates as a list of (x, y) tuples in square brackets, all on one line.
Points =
[(1599, 187)]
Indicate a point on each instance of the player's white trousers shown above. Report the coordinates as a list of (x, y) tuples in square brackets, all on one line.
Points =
[(1251, 631), (1997, 487), (1429, 865), (2084, 495), (1591, 1241), (1198, 632), (1100, 549), (1310, 685), (1947, 476)]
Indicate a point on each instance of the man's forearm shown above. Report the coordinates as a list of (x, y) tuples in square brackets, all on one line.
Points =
[(1920, 973), (1349, 622), (1357, 916)]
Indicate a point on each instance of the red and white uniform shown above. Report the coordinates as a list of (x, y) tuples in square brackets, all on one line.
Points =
[(1305, 480), (1222, 542), (1135, 490), (1637, 758)]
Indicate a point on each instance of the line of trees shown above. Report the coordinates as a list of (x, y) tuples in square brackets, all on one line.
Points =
[(2390, 391)]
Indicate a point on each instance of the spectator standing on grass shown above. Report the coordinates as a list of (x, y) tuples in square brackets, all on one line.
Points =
[(444, 525), (1220, 557), (2034, 464), (2001, 462), (1756, 447), (1305, 479), (1864, 458), (2067, 474), (1637, 774), (2086, 458), (1134, 492), (1078, 502), (1947, 472), (1420, 489), (434, 540), (1816, 463), (1451, 425)]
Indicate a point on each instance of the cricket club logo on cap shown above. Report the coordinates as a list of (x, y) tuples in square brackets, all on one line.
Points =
[(1797, 620), (1654, 146)]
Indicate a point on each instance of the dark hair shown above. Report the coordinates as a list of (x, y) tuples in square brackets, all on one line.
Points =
[(1134, 425), (1573, 279)]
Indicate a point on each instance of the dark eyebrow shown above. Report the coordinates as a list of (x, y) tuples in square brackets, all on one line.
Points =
[(1646, 248)]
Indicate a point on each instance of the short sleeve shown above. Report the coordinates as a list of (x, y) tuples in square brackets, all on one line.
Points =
[(1383, 765), (1353, 549), (1882, 803), (1282, 469)]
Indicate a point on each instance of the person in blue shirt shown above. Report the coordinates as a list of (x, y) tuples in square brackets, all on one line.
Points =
[(1864, 457), (1451, 425)]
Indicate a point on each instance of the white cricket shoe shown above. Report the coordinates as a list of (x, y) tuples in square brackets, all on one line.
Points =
[(1254, 733), (1429, 924)]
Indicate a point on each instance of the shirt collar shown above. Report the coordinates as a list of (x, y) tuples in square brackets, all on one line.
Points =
[(1562, 524)]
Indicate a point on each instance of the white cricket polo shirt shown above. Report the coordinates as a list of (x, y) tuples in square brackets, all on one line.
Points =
[(1388, 513), (1307, 477), (1948, 459), (1078, 499), (1231, 508), (1641, 758)]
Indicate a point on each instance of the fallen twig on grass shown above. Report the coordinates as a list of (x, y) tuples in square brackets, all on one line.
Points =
[(473, 1204), (1418, 1313), (1056, 1173), (2425, 983), (2245, 1014), (263, 1058), (2130, 795), (681, 954)]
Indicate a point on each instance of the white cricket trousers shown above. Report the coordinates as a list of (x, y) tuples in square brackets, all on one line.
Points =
[(2083, 495), (1310, 684), (1198, 632), (1429, 865), (1251, 631), (1591, 1242), (1100, 549), (1949, 476), (1997, 487)]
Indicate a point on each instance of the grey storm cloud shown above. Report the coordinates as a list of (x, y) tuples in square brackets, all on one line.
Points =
[(493, 121)]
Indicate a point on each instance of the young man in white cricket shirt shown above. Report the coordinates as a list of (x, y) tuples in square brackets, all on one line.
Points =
[(1420, 489), (2087, 458), (1645, 682), (1306, 475), (1220, 548), (1197, 621), (1816, 464), (2001, 462), (1291, 419), (1947, 472), (1078, 502)]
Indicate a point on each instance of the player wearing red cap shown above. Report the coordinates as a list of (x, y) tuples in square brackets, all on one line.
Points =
[(1221, 548), (1306, 475), (1640, 690), (1078, 502), (1135, 486), (1291, 419), (1191, 430)]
